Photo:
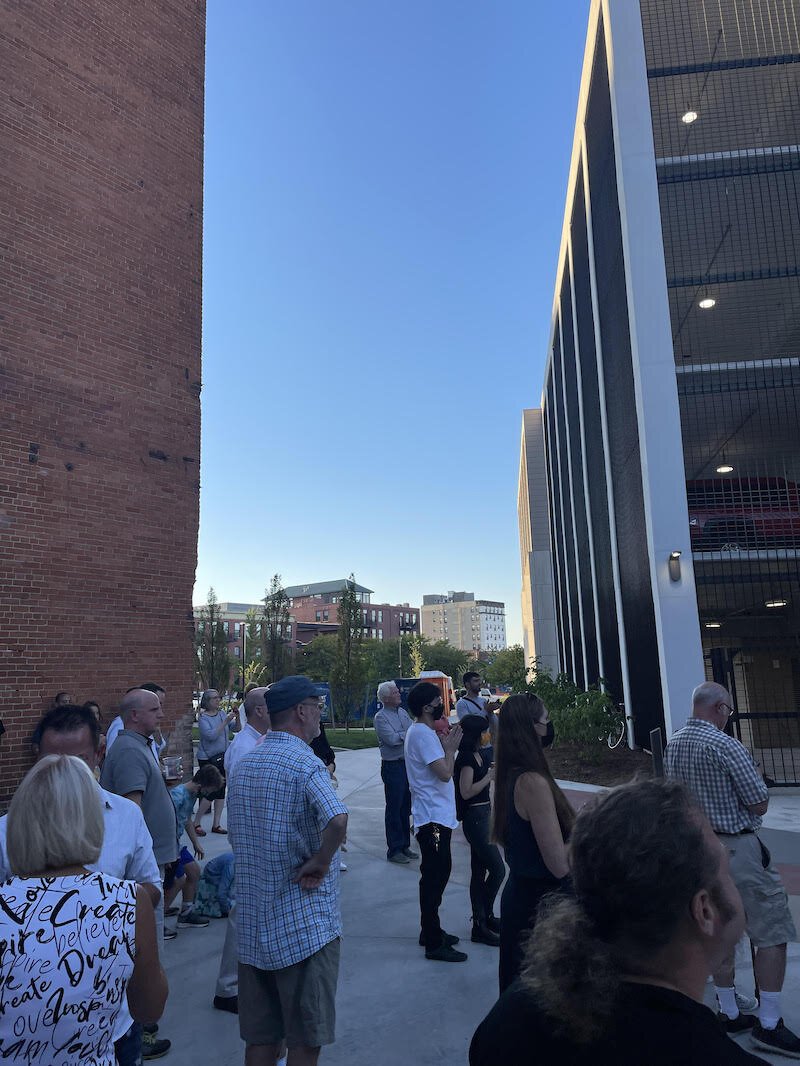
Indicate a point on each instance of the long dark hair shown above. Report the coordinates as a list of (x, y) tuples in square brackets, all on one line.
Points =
[(637, 857), (518, 751)]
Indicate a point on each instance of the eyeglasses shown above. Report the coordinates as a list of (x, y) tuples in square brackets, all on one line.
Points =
[(728, 708)]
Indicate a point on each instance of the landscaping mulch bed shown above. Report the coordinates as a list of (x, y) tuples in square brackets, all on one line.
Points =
[(597, 764)]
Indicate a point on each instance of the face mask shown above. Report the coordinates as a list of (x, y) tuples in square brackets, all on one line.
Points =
[(437, 712), (549, 736)]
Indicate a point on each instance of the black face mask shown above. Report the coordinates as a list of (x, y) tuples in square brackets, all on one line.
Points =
[(437, 712), (549, 736)]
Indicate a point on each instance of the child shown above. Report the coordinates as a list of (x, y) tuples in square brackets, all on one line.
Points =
[(215, 890), (184, 875)]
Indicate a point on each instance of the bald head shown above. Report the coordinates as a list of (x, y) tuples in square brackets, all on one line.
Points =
[(141, 711), (712, 703), (255, 707)]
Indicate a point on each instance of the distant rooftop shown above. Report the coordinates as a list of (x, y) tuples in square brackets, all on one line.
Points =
[(319, 588)]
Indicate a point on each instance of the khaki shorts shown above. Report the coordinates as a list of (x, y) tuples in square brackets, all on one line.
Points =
[(766, 906), (297, 1003)]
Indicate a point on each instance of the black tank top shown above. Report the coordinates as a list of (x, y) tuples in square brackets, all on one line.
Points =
[(521, 850), (480, 766)]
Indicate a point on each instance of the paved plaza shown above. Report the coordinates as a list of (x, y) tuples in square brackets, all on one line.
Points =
[(385, 977)]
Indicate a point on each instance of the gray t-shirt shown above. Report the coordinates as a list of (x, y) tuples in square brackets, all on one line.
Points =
[(473, 705), (130, 767)]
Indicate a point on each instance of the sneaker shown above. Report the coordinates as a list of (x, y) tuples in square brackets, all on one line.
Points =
[(153, 1048), (170, 934), (192, 921), (740, 1024), (410, 853), (150, 1027), (779, 1039), (400, 858), (448, 939), (446, 954), (746, 1004), (228, 1003), (170, 912), (494, 925), (343, 867)]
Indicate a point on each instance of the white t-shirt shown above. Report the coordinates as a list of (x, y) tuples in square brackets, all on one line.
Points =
[(432, 800)]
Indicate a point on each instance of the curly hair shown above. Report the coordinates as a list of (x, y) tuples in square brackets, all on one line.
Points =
[(637, 857)]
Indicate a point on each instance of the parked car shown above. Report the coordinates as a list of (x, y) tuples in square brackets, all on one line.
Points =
[(743, 513)]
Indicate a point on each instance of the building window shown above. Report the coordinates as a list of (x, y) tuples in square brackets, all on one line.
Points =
[(380, 616), (318, 616), (237, 628), (380, 634), (225, 627), (237, 651), (325, 616), (372, 615)]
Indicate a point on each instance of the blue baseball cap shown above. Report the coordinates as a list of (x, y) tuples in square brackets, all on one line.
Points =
[(290, 691)]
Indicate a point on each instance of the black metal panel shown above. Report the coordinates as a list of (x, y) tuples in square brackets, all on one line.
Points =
[(623, 436), (559, 561), (608, 637)]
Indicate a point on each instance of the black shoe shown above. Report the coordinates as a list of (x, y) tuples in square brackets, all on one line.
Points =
[(779, 1039), (151, 1027), (448, 940), (740, 1024), (153, 1048), (228, 1003), (446, 954), (493, 923), (482, 934)]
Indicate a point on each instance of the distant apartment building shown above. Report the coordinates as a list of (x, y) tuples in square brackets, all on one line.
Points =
[(671, 395), (539, 632), (477, 626)]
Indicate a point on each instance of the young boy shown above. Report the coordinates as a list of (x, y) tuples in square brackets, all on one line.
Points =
[(184, 875)]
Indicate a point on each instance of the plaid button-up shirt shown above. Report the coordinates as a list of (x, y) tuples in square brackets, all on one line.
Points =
[(279, 802), (719, 771)]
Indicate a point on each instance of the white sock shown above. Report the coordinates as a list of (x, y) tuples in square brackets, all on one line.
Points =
[(726, 997), (769, 1010)]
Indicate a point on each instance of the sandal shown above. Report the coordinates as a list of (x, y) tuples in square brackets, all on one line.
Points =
[(199, 830), (218, 829)]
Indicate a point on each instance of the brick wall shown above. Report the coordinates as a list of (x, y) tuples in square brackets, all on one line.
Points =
[(101, 137)]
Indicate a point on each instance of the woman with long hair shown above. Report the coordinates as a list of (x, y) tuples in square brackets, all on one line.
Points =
[(532, 821), (474, 774)]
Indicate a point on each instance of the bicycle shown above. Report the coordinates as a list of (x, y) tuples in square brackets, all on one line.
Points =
[(617, 729)]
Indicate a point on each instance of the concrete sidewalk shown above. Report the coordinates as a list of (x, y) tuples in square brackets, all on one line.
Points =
[(383, 967)]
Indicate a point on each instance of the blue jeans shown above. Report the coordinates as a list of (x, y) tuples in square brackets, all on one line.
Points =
[(128, 1049), (398, 806)]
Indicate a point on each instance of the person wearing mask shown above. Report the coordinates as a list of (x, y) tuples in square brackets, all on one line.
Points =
[(54, 834), (429, 764), (213, 725), (532, 821), (473, 776)]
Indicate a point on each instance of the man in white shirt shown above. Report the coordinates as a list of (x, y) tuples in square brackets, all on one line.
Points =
[(429, 765), (127, 850), (246, 740)]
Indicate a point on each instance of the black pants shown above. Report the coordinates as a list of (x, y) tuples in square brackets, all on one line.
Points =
[(434, 873), (519, 906), (488, 868)]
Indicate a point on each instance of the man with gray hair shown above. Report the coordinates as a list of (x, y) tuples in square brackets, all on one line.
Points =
[(724, 778), (391, 724)]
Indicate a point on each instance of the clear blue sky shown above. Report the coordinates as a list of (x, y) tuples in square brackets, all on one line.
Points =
[(384, 189)]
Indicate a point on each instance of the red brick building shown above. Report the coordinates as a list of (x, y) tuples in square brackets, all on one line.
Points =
[(101, 133)]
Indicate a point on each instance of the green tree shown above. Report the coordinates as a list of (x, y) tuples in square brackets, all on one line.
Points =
[(441, 655), (275, 629), (212, 657), (508, 668), (417, 655), (318, 658), (349, 671), (579, 716)]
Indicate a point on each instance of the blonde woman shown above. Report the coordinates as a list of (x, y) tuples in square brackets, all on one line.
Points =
[(54, 831)]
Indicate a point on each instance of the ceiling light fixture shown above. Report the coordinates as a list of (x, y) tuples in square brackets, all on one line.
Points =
[(688, 117), (776, 603), (707, 303), (724, 466)]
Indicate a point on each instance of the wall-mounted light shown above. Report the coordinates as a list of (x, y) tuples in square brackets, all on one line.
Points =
[(724, 466), (688, 117), (713, 625), (707, 303), (776, 603), (674, 564)]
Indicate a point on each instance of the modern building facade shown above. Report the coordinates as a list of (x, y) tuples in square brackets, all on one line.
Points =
[(672, 387), (477, 626), (101, 186)]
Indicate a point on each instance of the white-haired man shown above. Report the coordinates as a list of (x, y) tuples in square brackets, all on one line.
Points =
[(722, 775), (391, 724)]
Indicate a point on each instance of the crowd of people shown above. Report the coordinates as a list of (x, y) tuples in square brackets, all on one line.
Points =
[(610, 920)]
